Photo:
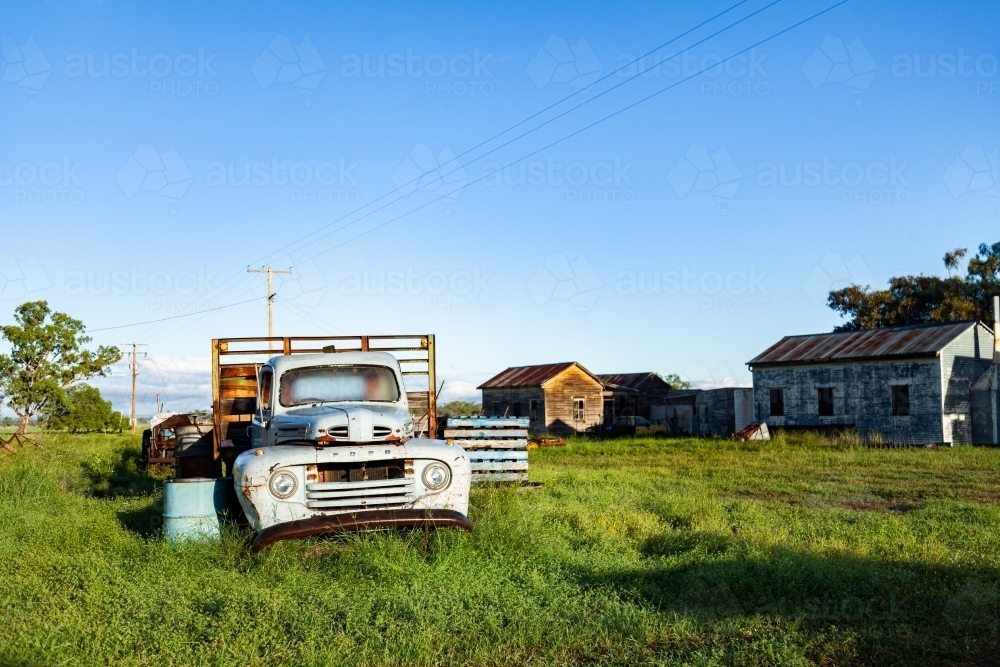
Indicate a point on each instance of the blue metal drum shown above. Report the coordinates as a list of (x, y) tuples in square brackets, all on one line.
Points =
[(191, 508)]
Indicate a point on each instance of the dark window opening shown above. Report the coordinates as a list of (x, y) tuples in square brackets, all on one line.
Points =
[(777, 402), (533, 409), (496, 408), (266, 382), (579, 409), (901, 400), (512, 410), (826, 401)]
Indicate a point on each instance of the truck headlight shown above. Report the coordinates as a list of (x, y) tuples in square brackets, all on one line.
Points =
[(283, 484), (436, 476)]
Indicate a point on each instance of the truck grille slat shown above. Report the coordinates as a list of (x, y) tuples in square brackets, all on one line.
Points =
[(402, 490), (354, 486), (369, 501)]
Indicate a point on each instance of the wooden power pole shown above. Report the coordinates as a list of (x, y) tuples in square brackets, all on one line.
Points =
[(134, 367), (270, 295)]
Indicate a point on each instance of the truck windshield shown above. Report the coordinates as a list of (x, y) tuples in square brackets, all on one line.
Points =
[(322, 384)]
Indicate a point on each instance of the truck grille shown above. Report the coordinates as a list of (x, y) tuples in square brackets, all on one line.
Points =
[(340, 487), (377, 494), (338, 431), (381, 432)]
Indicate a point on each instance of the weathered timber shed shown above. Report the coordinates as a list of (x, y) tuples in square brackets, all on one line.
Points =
[(633, 394), (561, 398), (721, 411), (909, 384)]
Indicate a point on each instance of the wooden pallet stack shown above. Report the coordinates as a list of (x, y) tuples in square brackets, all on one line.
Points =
[(497, 446)]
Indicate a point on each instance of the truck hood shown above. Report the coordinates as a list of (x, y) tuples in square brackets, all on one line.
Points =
[(334, 423)]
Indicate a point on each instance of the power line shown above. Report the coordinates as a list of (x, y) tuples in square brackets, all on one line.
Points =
[(550, 145), (531, 131), (585, 128), (174, 317), (519, 123), (550, 107)]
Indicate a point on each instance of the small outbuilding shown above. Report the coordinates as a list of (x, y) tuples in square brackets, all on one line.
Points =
[(907, 384), (634, 394), (563, 398), (706, 412)]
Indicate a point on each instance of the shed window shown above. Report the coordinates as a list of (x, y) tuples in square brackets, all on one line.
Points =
[(777, 402), (900, 400), (533, 409), (825, 401), (496, 408), (579, 409)]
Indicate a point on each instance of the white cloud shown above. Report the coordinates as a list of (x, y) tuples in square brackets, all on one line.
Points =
[(459, 390), (183, 384)]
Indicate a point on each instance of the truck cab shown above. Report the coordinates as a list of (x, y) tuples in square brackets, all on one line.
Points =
[(332, 448)]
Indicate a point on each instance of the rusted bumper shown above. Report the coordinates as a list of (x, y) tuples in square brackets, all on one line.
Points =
[(367, 520)]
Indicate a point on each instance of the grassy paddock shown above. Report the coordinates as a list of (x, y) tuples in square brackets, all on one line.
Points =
[(633, 552)]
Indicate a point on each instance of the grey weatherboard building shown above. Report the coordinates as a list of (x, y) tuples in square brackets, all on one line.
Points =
[(910, 384)]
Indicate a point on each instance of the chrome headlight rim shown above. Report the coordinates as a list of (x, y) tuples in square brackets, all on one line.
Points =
[(280, 474), (440, 486)]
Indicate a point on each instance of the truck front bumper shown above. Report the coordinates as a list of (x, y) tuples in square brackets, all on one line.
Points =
[(365, 520)]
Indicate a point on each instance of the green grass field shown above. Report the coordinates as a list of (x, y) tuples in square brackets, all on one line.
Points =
[(632, 553)]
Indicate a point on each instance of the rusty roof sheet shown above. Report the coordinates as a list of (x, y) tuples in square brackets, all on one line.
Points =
[(625, 380), (528, 376), (924, 340)]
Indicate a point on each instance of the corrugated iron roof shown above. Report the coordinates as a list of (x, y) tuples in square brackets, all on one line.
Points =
[(924, 340), (625, 380), (526, 376)]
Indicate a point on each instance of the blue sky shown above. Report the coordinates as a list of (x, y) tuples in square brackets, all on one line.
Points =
[(149, 152)]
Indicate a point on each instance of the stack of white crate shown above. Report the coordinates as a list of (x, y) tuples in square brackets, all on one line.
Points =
[(497, 446)]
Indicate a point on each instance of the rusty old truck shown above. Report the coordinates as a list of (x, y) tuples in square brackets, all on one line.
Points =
[(320, 435)]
